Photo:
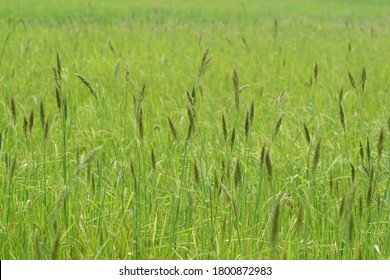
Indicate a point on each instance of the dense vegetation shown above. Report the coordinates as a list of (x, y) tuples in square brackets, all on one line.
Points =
[(164, 130)]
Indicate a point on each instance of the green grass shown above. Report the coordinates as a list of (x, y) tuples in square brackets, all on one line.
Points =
[(83, 184)]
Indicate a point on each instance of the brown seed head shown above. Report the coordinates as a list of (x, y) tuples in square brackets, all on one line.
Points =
[(380, 143), (196, 172), (236, 89), (13, 108), (173, 129), (268, 163), (31, 122), (315, 70), (342, 117), (307, 134), (25, 125), (42, 115), (87, 84), (363, 78), (224, 129), (352, 81)]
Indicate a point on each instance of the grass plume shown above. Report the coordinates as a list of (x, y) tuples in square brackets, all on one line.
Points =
[(87, 84), (13, 108), (352, 81), (224, 128), (363, 78), (277, 126), (307, 134), (342, 117), (173, 130), (268, 164), (380, 143), (205, 63)]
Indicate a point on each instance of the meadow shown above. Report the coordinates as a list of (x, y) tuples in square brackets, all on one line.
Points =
[(194, 130)]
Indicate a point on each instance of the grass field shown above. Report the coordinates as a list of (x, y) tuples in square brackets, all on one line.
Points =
[(202, 130)]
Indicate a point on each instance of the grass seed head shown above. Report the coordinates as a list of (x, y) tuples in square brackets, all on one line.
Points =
[(111, 47), (87, 84), (132, 169), (205, 63), (280, 99), (247, 125), (224, 128), (25, 126), (189, 132), (342, 117), (268, 163), (153, 159), (230, 200), (315, 73), (140, 122), (352, 81), (196, 172), (142, 95), (191, 117), (189, 97), (31, 122), (380, 143), (252, 113), (352, 171), (58, 98), (341, 95), (55, 72), (88, 158), (277, 126), (173, 129), (236, 89), (59, 68), (193, 95), (262, 156), (42, 114), (363, 78), (13, 108), (307, 134), (342, 206)]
